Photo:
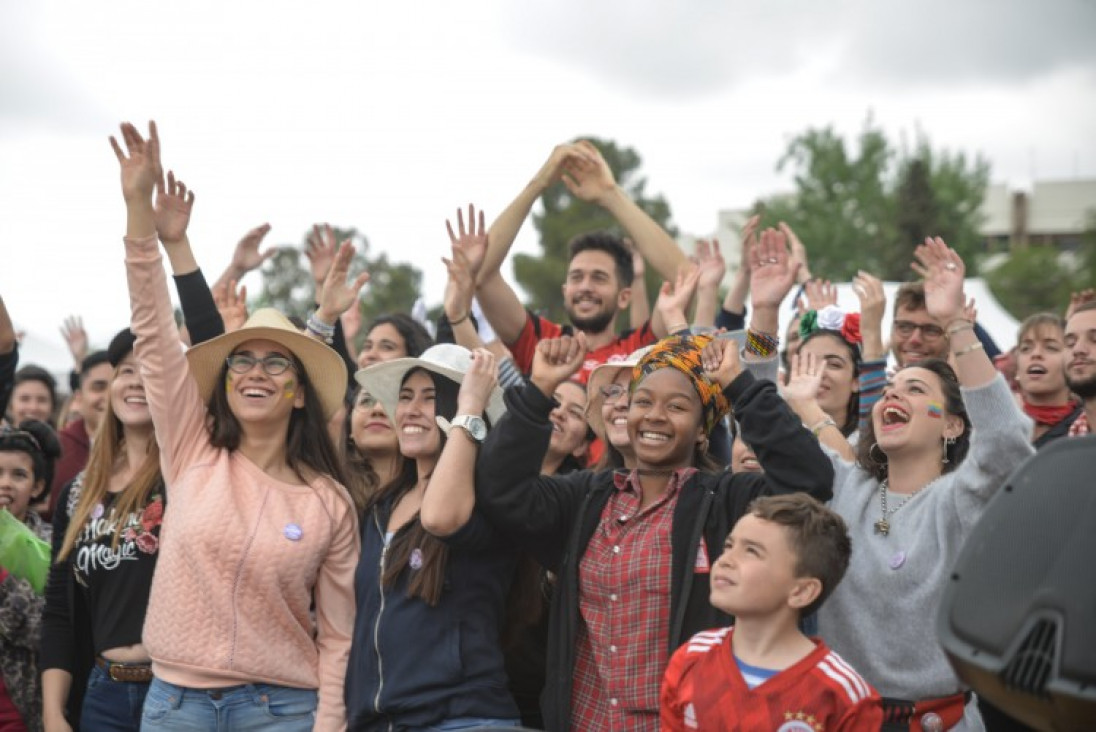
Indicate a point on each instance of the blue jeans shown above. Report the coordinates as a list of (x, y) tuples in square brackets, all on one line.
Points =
[(112, 706), (244, 708), (474, 723)]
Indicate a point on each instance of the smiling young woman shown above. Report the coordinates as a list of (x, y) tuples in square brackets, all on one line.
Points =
[(921, 481), (632, 548), (257, 505)]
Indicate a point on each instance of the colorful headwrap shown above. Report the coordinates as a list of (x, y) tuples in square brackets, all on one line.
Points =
[(682, 352), (833, 318)]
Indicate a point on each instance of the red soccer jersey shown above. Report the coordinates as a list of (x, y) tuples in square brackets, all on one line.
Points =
[(537, 328), (704, 690)]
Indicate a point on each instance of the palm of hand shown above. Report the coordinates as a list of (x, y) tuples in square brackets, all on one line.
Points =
[(944, 294), (770, 284), (802, 387), (172, 217)]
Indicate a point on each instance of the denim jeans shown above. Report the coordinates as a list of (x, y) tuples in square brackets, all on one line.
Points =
[(475, 723), (236, 708), (112, 706)]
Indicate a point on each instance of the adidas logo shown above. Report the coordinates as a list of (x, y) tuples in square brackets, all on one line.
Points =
[(690, 717)]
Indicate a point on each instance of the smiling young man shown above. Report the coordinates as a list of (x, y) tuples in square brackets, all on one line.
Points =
[(1080, 339), (779, 563), (915, 335), (599, 272)]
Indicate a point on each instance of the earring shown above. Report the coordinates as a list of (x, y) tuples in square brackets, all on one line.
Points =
[(871, 453), (948, 442)]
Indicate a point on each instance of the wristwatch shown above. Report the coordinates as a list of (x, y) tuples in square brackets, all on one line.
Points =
[(473, 425)]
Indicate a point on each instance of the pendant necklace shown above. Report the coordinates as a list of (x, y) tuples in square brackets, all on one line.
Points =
[(882, 526)]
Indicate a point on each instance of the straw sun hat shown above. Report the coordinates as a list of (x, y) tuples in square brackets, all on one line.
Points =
[(325, 368), (601, 376), (383, 380)]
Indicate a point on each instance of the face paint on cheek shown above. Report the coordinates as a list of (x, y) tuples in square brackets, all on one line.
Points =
[(228, 382), (936, 410), (289, 392)]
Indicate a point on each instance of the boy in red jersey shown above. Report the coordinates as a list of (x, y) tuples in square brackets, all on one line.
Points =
[(780, 562)]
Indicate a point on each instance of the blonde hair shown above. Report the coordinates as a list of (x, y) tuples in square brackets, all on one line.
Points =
[(107, 448)]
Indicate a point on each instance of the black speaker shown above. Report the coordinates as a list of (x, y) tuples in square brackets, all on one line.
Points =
[(1018, 617)]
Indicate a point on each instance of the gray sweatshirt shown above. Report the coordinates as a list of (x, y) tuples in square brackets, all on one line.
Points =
[(882, 616)]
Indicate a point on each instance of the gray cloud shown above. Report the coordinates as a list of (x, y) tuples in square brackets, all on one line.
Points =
[(691, 49)]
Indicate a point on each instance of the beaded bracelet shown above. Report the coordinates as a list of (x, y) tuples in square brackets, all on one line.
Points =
[(316, 326), (761, 344)]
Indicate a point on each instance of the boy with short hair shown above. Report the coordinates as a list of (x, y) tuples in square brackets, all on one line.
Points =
[(780, 562)]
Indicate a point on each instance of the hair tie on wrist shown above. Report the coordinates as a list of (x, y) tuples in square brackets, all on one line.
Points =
[(461, 319)]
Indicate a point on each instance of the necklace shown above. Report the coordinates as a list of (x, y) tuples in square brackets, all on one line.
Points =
[(882, 526)]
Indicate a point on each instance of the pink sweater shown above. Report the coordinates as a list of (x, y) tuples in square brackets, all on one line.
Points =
[(242, 555)]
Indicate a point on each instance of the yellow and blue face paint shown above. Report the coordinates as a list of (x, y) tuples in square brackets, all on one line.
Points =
[(936, 410)]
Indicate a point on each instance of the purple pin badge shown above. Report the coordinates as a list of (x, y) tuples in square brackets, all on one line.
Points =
[(293, 532), (897, 559), (416, 558), (97, 512)]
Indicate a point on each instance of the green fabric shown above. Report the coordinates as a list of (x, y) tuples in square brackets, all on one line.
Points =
[(22, 553)]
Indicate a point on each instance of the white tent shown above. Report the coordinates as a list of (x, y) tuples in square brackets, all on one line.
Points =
[(991, 316)]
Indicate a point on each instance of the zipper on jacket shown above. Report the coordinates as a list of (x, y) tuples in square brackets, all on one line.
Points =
[(377, 625)]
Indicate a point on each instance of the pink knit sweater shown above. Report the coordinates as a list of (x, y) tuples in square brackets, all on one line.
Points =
[(242, 555)]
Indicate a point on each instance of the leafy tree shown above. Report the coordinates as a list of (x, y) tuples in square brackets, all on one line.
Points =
[(861, 206), (1032, 280), (288, 284), (563, 217)]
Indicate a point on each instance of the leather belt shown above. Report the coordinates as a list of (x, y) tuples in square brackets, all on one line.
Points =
[(134, 673)]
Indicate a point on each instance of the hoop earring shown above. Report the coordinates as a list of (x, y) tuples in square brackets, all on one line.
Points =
[(871, 453)]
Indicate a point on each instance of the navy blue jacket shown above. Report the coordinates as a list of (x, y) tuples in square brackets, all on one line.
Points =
[(412, 665)]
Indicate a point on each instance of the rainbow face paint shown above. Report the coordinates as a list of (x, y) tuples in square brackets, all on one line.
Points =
[(936, 410)]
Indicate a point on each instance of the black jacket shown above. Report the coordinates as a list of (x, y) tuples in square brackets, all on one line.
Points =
[(554, 518)]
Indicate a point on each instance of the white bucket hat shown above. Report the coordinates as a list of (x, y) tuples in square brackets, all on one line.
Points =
[(325, 369), (383, 380)]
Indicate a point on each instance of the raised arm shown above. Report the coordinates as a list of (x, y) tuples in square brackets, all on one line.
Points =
[(246, 256), (801, 393), (734, 304), (639, 307), (589, 177), (712, 268), (673, 301), (772, 275), (451, 495)]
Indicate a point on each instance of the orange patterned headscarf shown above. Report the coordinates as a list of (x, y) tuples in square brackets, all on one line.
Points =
[(682, 352)]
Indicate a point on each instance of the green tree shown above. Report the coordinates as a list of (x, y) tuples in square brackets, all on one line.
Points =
[(563, 217), (288, 285), (860, 205), (1032, 280)]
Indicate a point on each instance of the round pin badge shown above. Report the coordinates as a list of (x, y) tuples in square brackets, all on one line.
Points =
[(293, 532), (97, 512), (932, 722), (416, 558), (897, 559)]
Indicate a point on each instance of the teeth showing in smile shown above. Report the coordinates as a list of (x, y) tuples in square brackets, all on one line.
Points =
[(136, 400), (656, 436), (255, 393), (894, 415), (412, 429), (620, 422)]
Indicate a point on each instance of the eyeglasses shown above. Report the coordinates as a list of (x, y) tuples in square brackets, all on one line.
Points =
[(273, 365), (612, 392), (929, 331), (7, 433), (365, 400)]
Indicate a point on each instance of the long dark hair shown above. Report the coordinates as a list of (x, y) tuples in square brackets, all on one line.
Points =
[(416, 338), (308, 447), (362, 478), (874, 461), (852, 409)]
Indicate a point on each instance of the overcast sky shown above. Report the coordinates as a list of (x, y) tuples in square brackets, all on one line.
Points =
[(387, 116)]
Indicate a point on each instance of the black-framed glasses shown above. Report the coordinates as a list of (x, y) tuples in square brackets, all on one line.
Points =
[(929, 331), (273, 364), (7, 433), (612, 392)]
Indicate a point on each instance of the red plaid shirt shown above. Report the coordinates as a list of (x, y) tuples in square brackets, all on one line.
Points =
[(624, 603), (1080, 426)]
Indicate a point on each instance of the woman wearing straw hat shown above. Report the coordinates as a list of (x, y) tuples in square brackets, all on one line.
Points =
[(258, 531), (633, 548), (434, 577)]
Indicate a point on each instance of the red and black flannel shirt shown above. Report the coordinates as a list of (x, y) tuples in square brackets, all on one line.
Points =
[(624, 603)]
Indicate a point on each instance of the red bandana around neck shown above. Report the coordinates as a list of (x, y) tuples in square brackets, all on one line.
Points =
[(1049, 415)]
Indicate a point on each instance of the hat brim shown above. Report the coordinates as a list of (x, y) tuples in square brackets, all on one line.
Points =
[(383, 381), (599, 377), (324, 367)]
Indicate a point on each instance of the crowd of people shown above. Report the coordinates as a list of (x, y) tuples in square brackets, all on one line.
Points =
[(499, 521)]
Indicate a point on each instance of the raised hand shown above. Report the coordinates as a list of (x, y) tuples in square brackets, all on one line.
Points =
[(772, 273), (471, 242), (712, 266), (478, 382), (76, 338), (673, 299), (804, 380), (943, 272), (173, 206), (460, 288), (140, 164), (873, 304), (639, 264), (339, 293), (721, 361), (588, 176), (799, 252), (820, 293), (246, 257), (555, 360), (552, 169), (320, 250), (231, 304), (748, 243)]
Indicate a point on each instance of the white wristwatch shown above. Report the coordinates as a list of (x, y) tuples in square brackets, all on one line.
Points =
[(470, 423)]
